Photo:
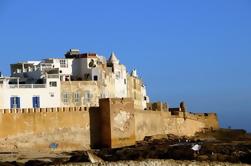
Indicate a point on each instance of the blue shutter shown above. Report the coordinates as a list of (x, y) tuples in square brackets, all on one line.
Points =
[(38, 102), (34, 102), (18, 102), (11, 102)]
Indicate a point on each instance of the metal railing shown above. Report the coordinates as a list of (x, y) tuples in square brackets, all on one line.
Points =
[(13, 85), (39, 85), (26, 86), (52, 76)]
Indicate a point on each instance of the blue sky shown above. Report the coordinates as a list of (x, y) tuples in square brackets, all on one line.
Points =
[(196, 51)]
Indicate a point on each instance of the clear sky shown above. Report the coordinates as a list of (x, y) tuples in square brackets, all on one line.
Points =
[(196, 51)]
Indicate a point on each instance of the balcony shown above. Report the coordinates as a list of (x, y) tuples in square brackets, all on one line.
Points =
[(52, 76), (26, 86)]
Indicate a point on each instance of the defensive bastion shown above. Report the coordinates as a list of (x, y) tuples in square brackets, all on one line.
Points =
[(115, 123)]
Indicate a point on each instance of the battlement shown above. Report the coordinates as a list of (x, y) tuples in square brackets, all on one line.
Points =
[(45, 110), (115, 123), (176, 113), (209, 119), (157, 106)]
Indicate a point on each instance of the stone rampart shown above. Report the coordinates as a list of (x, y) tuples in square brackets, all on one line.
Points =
[(115, 123), (148, 123), (51, 129)]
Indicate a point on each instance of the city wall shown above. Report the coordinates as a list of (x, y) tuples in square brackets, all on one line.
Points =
[(115, 123), (149, 123), (58, 129)]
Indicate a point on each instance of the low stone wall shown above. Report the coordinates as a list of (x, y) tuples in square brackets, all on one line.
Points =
[(57, 129)]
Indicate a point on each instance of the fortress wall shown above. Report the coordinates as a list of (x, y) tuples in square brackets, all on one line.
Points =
[(209, 119), (117, 122), (57, 129), (114, 124), (148, 123)]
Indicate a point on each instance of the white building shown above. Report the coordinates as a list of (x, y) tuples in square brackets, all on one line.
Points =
[(16, 95), (38, 83)]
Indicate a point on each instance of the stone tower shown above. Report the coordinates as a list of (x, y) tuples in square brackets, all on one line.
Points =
[(118, 122)]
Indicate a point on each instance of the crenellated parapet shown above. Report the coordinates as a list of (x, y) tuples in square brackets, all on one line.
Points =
[(45, 110), (115, 123)]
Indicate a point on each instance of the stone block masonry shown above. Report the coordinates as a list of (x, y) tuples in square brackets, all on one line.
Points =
[(148, 123), (57, 129), (115, 123)]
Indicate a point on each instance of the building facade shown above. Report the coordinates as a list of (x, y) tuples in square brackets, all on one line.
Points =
[(79, 79)]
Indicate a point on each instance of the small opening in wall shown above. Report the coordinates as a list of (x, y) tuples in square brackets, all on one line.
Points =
[(95, 78), (53, 84)]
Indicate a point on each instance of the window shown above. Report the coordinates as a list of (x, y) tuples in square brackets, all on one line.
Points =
[(52, 94), (36, 101), (77, 97), (63, 63), (18, 70), (145, 98), (95, 78), (118, 75), (87, 76), (102, 95), (124, 81), (65, 98), (92, 64), (87, 97), (15, 102), (53, 84)]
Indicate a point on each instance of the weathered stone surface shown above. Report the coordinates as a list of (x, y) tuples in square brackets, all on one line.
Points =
[(44, 131), (149, 123), (116, 123)]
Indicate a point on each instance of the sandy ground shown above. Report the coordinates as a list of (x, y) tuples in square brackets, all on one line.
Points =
[(157, 163), (23, 157), (223, 147)]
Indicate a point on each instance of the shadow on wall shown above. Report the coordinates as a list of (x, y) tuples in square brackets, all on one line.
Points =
[(95, 127)]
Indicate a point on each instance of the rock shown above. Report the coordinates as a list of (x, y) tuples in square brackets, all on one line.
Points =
[(37, 163), (79, 157), (196, 147), (202, 157), (222, 157), (94, 158)]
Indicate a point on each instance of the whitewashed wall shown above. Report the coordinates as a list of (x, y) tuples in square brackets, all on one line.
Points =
[(49, 96), (65, 70), (120, 77)]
